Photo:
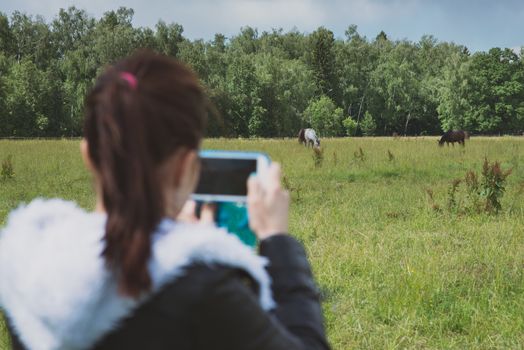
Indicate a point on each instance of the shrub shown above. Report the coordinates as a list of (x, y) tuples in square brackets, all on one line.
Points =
[(325, 117), (368, 125), (350, 126)]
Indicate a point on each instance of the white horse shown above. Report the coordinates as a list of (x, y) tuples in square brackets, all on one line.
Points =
[(311, 138)]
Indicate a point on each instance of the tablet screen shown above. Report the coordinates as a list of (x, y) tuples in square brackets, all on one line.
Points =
[(225, 176)]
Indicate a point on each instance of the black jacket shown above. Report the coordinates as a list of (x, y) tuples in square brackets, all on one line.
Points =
[(216, 307)]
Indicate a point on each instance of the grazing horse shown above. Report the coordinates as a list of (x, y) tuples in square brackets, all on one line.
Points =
[(311, 138), (308, 137), (454, 136)]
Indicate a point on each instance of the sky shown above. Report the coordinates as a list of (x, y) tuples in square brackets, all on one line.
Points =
[(477, 24)]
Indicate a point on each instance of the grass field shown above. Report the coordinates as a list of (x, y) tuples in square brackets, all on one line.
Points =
[(393, 272)]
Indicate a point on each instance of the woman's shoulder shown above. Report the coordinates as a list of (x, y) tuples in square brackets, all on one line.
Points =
[(200, 281), (48, 226), (49, 219), (42, 213), (186, 245)]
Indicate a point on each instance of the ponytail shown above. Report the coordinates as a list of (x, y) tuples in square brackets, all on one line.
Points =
[(131, 127)]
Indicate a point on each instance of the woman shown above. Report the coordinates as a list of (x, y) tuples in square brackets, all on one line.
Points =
[(142, 272)]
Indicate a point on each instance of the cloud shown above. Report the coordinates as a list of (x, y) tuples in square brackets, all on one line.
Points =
[(205, 17), (228, 16), (274, 13), (366, 11), (479, 24), (202, 17)]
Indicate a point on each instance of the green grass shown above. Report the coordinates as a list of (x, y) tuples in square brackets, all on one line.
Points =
[(393, 273)]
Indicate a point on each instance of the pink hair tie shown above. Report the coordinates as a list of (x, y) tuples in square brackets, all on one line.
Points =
[(130, 78)]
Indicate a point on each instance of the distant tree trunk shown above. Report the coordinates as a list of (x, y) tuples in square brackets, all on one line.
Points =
[(406, 125)]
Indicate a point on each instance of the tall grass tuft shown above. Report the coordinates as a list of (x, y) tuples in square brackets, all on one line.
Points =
[(473, 191), (318, 157), (432, 201), (483, 194), (295, 190), (493, 185), (391, 157), (452, 196), (359, 155), (7, 171)]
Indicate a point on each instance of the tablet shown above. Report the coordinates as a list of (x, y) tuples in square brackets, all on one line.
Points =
[(224, 174)]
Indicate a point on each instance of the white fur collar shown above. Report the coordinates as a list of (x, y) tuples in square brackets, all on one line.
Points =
[(54, 286)]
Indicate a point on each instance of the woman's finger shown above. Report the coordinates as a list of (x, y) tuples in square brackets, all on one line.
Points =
[(254, 190), (188, 212), (273, 176), (207, 213)]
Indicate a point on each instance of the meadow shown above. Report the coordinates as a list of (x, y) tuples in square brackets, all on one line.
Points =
[(393, 272)]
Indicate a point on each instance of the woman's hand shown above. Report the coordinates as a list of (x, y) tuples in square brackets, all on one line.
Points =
[(188, 213), (268, 204)]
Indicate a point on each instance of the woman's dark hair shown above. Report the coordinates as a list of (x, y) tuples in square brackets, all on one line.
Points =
[(140, 111)]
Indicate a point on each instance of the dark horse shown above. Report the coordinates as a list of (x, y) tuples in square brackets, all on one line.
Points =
[(454, 136)]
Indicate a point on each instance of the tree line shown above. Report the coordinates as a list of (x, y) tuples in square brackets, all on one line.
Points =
[(267, 84)]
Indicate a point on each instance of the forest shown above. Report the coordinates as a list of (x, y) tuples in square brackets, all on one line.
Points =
[(264, 84)]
